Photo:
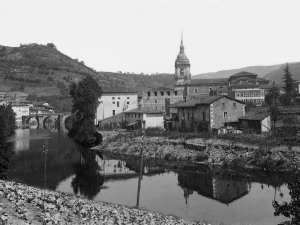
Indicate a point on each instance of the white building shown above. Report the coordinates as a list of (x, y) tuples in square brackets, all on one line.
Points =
[(113, 103), (149, 116), (21, 109)]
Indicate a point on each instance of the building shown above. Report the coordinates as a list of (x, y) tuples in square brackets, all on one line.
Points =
[(113, 103), (41, 107), (209, 113), (150, 117), (182, 68), (258, 122), (157, 99), (244, 86), (21, 108)]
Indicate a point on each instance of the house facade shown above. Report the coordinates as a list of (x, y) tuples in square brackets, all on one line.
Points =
[(150, 117), (113, 103), (42, 107), (156, 99), (209, 113)]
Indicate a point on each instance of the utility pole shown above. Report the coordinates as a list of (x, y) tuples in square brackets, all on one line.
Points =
[(141, 166)]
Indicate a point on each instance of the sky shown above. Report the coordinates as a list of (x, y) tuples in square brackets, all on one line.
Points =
[(143, 36)]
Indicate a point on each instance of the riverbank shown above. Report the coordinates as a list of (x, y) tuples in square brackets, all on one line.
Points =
[(21, 204), (209, 152)]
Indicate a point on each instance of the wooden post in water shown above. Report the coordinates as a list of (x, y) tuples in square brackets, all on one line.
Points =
[(141, 167)]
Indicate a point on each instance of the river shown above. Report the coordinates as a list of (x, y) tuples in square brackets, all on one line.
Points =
[(47, 158)]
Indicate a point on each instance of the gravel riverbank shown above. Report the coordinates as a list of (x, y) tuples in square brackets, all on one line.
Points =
[(209, 152), (21, 204)]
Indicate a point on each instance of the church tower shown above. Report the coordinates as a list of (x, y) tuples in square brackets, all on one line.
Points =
[(182, 68)]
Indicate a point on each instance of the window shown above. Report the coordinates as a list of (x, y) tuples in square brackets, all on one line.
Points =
[(113, 97), (117, 104), (127, 97), (225, 114), (162, 93), (118, 97), (203, 116), (234, 105), (162, 108), (223, 105), (168, 92), (175, 92), (114, 102), (196, 90), (148, 94), (155, 100), (127, 103), (155, 93), (114, 112)]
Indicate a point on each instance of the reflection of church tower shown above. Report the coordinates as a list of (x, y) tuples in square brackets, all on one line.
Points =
[(182, 67)]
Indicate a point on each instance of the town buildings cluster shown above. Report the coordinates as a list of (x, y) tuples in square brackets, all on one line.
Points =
[(193, 105), (22, 107)]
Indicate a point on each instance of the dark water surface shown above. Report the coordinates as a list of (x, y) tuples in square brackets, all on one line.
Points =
[(47, 158)]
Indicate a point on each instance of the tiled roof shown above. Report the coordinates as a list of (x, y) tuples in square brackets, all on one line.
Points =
[(255, 116), (209, 81), (205, 100), (261, 79), (243, 73), (265, 86), (145, 110), (174, 105)]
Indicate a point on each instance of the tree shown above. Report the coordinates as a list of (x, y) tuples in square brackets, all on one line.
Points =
[(272, 97), (290, 85), (292, 209), (51, 45), (7, 121), (249, 106), (85, 100)]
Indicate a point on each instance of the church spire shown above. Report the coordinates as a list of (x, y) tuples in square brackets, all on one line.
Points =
[(181, 46), (181, 38)]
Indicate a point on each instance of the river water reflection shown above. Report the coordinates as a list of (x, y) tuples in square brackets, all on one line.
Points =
[(47, 158)]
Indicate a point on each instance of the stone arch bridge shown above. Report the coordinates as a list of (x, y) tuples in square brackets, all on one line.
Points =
[(40, 118)]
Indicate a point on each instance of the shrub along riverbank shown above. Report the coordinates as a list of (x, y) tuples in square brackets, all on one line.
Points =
[(231, 151)]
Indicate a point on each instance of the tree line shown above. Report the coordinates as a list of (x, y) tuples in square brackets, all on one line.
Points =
[(7, 121)]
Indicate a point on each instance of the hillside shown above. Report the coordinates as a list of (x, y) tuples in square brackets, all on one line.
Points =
[(276, 75), (45, 73), (38, 69), (261, 71), (139, 82)]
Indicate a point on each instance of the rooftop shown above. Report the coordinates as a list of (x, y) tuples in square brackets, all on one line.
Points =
[(145, 110), (203, 100), (209, 81), (255, 116)]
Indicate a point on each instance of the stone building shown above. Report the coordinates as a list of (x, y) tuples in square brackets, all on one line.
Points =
[(208, 113)]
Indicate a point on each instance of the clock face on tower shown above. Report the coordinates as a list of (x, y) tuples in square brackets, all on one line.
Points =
[(181, 72)]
